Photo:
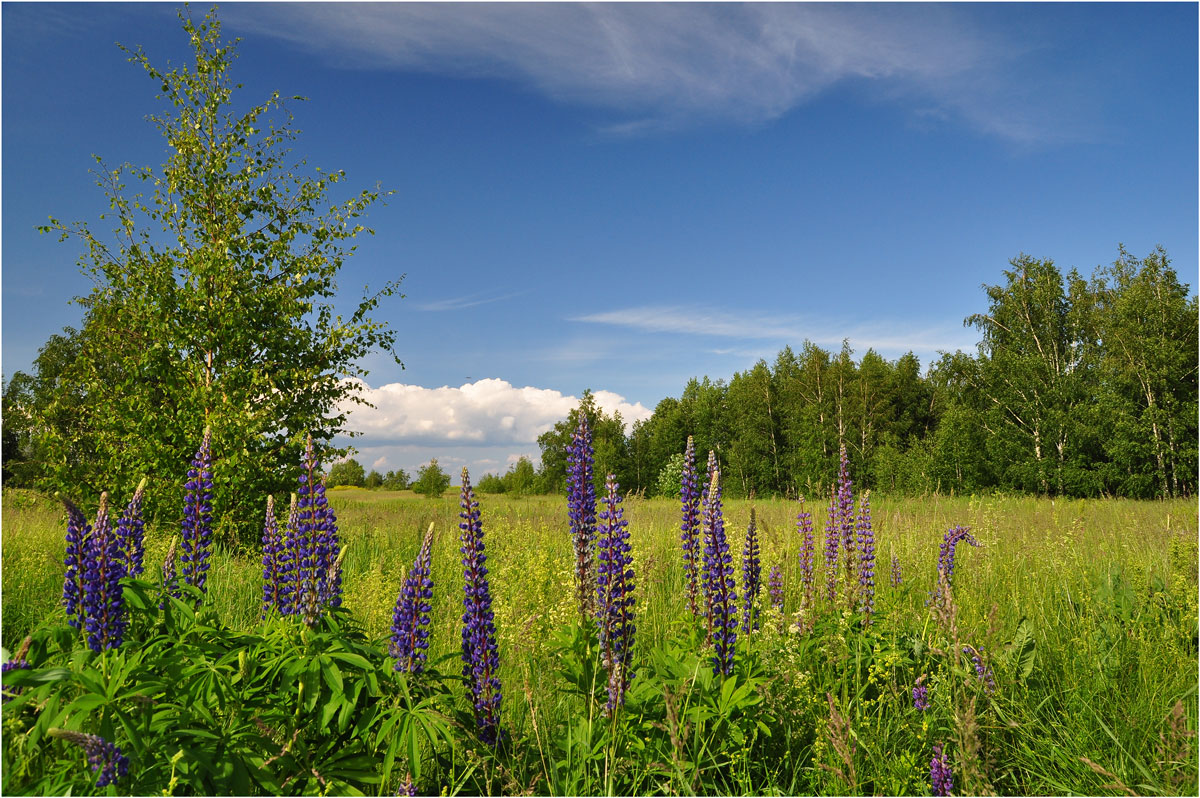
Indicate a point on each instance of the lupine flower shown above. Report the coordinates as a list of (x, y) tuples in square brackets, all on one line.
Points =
[(775, 587), (920, 694), (292, 562), (751, 576), (581, 509), (804, 526), (102, 755), (941, 779), (689, 496), (196, 536), (897, 578), (722, 590), (845, 510), (170, 576), (19, 661), (982, 670), (319, 533), (481, 656), (103, 598), (275, 561), (410, 618), (131, 532), (614, 592), (408, 789), (866, 557), (832, 546), (77, 535), (705, 512), (946, 548)]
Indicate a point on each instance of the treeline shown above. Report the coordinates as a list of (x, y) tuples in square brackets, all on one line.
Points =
[(1081, 387)]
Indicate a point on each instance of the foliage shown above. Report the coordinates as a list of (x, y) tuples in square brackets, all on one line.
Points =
[(373, 481), (395, 480), (348, 472), (213, 305), (431, 481)]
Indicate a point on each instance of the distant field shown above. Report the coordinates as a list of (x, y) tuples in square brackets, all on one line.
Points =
[(1106, 590)]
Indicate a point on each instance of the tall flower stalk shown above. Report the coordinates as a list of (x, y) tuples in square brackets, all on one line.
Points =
[(689, 537), (775, 587), (721, 588), (196, 537), (832, 546), (275, 561), (131, 531), (705, 523), (581, 509), (804, 526), (846, 520), (102, 755), (614, 593), (410, 618), (77, 535), (941, 778), (480, 654), (866, 557), (314, 544), (751, 576), (946, 551), (103, 598)]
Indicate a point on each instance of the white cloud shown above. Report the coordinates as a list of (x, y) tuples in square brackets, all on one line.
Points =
[(462, 302), (379, 463), (488, 412), (667, 64)]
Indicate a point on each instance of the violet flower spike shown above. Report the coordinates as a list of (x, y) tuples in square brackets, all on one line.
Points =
[(722, 590), (920, 694), (410, 618), (689, 497), (196, 535), (102, 755), (982, 670), (18, 662), (705, 526), (581, 511), (480, 654), (804, 526), (775, 587), (78, 532), (866, 557), (832, 546), (897, 578), (846, 520), (131, 531), (946, 550), (275, 562), (319, 583), (614, 593), (103, 596), (751, 576), (941, 778)]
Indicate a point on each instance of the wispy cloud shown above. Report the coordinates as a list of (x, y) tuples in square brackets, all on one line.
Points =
[(462, 302), (669, 64)]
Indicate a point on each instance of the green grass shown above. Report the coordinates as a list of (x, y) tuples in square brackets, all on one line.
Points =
[(1107, 589)]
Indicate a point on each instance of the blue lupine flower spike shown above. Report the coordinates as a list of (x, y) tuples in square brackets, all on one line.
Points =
[(196, 536), (410, 618), (103, 596), (581, 511), (614, 591), (480, 654), (102, 755)]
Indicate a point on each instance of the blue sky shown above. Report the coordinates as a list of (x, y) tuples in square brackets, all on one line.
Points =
[(620, 197)]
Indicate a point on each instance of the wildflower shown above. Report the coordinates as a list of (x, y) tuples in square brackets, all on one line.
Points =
[(804, 526), (689, 536), (581, 509), (275, 560), (614, 591), (845, 515), (721, 588), (77, 535), (946, 549), (170, 577), (19, 661), (481, 657), (920, 694), (866, 557), (410, 618), (318, 529), (751, 576), (897, 579), (941, 779), (832, 545), (103, 598), (196, 536), (982, 670), (102, 755), (775, 587), (131, 532), (408, 789)]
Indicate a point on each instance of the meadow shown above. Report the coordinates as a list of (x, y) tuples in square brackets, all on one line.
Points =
[(1082, 614)]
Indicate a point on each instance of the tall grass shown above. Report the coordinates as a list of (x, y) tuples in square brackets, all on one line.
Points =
[(1106, 590)]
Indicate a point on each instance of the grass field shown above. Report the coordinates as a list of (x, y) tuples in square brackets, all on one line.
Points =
[(1085, 610)]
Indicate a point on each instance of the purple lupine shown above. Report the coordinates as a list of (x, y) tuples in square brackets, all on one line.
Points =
[(751, 576), (775, 587), (866, 557), (480, 654), (982, 670), (196, 537), (722, 589), (275, 557), (296, 554), (581, 509), (945, 564), (407, 788), (832, 546), (941, 778), (18, 662), (170, 575), (410, 618), (920, 694), (131, 532), (103, 596), (102, 755), (897, 578), (705, 519), (614, 594), (318, 534), (804, 526), (689, 497), (77, 536), (845, 519)]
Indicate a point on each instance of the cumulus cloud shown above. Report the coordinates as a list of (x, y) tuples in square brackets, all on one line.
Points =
[(667, 64), (488, 412)]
